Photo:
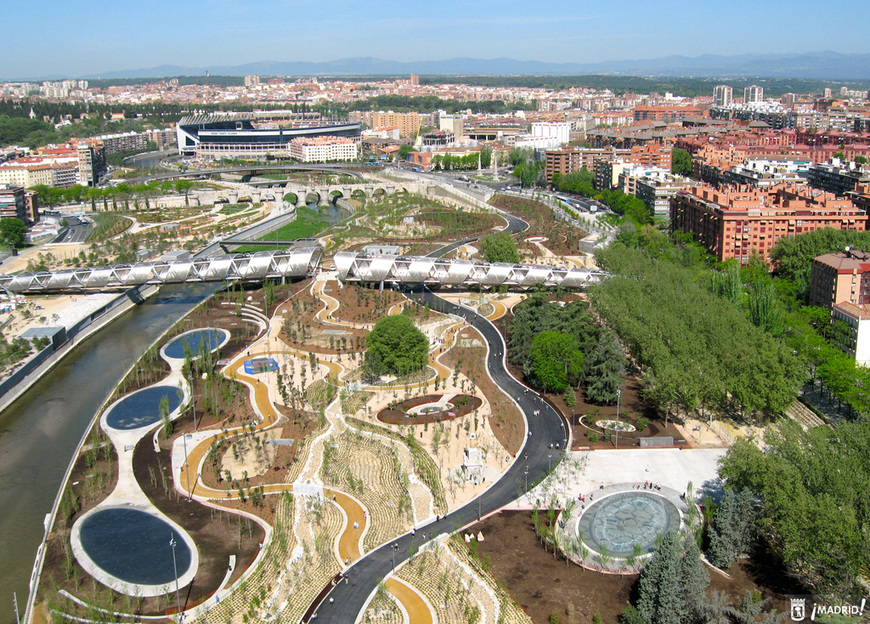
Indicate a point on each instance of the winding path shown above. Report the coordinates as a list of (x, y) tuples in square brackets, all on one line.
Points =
[(545, 430)]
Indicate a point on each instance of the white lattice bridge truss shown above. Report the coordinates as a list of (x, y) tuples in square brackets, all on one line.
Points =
[(415, 270), (294, 262)]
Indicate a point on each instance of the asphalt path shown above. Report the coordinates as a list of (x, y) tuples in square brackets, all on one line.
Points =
[(543, 449)]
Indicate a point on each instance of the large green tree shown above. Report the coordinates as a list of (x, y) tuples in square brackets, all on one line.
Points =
[(499, 247), (681, 162), (12, 230), (671, 586), (395, 346), (557, 360), (603, 371), (733, 530)]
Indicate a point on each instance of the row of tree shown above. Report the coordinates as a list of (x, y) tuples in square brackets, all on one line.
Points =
[(695, 351), (453, 162)]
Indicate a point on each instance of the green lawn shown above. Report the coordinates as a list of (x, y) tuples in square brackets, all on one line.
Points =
[(307, 224)]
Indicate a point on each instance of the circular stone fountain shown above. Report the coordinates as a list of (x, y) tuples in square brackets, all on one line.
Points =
[(616, 523)]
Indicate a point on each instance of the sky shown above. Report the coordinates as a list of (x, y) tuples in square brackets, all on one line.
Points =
[(62, 38)]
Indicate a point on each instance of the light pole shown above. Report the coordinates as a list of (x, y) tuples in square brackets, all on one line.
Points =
[(527, 478), (618, 397), (192, 401), (175, 569), (549, 462), (395, 548), (186, 467)]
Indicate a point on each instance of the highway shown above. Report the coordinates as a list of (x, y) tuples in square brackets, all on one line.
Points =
[(543, 449)]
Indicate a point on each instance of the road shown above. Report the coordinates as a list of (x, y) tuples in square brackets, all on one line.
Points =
[(77, 231), (544, 446)]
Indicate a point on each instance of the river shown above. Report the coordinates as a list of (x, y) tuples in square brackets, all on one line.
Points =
[(40, 431)]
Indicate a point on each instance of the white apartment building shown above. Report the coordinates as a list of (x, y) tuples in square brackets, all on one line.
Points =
[(323, 149)]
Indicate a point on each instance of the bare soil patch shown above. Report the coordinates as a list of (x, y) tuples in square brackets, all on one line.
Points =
[(544, 585)]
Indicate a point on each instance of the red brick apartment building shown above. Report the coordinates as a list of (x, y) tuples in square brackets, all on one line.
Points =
[(666, 113), (739, 221), (840, 278), (569, 159)]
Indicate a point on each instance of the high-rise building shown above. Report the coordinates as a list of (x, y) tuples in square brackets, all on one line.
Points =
[(753, 93), (723, 95), (415, 80), (252, 80)]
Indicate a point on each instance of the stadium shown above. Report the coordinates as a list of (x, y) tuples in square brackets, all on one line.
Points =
[(238, 136)]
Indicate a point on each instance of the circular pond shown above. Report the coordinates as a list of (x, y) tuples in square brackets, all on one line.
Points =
[(142, 408), (196, 340), (617, 523), (615, 426), (134, 546)]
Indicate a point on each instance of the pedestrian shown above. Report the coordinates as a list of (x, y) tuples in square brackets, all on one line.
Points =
[(331, 600)]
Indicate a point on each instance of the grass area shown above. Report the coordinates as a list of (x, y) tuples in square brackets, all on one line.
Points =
[(308, 223), (229, 209), (107, 225)]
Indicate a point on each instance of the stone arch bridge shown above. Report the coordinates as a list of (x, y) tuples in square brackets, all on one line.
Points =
[(366, 190)]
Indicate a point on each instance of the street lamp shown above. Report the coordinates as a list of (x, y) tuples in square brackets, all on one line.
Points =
[(618, 397), (186, 466), (192, 401), (395, 548), (175, 569), (549, 462), (527, 478)]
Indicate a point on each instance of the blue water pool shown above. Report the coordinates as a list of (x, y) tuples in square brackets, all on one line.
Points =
[(142, 408), (210, 338), (133, 546)]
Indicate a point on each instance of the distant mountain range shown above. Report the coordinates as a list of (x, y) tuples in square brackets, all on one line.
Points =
[(815, 65)]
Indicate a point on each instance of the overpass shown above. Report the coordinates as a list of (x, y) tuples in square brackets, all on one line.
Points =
[(417, 270), (297, 262)]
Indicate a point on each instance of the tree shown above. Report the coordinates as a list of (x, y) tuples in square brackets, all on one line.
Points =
[(395, 346), (557, 360), (603, 371), (499, 247), (404, 150), (527, 173), (814, 493), (694, 579), (660, 597), (12, 230), (733, 530), (672, 586), (681, 162)]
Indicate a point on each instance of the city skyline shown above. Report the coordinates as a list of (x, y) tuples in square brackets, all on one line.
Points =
[(115, 38)]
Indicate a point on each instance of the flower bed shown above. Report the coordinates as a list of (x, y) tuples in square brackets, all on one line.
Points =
[(461, 404)]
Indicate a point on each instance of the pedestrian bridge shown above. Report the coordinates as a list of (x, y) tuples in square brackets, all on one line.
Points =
[(296, 262), (417, 270), (299, 262)]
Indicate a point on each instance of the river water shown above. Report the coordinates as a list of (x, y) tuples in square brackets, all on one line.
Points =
[(40, 431)]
